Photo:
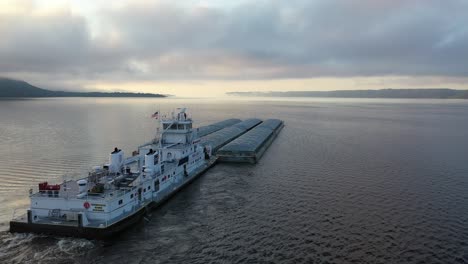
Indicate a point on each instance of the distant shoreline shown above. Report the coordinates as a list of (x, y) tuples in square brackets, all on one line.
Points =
[(436, 93), (110, 95), (10, 88), (80, 96)]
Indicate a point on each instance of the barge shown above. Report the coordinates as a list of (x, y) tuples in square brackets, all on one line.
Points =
[(209, 129), (220, 138), (251, 146)]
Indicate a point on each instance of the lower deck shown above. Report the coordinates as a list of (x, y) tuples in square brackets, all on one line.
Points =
[(100, 229)]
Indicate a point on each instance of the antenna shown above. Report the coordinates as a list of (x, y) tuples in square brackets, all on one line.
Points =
[(182, 110)]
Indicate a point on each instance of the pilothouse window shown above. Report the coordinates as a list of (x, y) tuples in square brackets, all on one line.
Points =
[(166, 126)]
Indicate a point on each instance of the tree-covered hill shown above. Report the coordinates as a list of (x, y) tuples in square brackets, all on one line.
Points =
[(17, 88)]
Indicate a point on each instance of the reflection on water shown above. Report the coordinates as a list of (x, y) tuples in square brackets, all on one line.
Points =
[(363, 181)]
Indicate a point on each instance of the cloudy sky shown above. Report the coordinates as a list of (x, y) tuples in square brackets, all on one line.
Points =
[(208, 47)]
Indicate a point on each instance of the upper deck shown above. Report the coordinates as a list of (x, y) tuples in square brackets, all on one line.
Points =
[(97, 187)]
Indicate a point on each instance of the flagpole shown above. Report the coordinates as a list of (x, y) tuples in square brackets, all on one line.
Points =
[(156, 115), (159, 123)]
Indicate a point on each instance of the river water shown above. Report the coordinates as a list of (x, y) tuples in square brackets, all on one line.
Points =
[(346, 181)]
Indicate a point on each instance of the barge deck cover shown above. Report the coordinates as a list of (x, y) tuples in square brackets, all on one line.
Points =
[(251, 146), (226, 135), (206, 130)]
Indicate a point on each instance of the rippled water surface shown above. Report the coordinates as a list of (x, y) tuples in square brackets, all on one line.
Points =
[(346, 181)]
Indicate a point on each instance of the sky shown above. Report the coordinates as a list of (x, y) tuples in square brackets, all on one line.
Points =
[(208, 47)]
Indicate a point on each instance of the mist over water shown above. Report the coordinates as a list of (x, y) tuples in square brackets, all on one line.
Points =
[(346, 181)]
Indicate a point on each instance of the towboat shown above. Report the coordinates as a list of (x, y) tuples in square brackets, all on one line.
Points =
[(118, 194)]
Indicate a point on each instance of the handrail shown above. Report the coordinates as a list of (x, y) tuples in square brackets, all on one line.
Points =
[(14, 213)]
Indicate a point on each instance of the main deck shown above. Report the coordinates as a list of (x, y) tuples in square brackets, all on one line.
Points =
[(99, 230)]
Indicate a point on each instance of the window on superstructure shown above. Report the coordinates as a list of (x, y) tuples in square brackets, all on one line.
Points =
[(180, 127), (172, 126), (156, 185), (120, 202)]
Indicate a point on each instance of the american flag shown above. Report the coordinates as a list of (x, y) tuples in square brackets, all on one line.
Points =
[(155, 115)]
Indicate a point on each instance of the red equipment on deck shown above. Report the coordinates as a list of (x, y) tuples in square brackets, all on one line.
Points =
[(44, 186)]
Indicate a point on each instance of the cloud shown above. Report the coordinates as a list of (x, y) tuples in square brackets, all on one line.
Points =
[(53, 43), (267, 39)]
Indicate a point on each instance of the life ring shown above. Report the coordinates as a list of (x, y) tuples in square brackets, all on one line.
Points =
[(86, 205)]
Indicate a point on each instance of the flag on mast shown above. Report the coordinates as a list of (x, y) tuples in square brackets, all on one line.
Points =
[(155, 115)]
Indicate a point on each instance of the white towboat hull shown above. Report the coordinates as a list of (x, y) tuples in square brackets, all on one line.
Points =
[(74, 229)]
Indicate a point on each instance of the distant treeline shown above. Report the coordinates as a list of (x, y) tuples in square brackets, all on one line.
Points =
[(16, 88), (384, 93)]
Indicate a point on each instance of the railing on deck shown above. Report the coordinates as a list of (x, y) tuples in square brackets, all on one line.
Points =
[(16, 214)]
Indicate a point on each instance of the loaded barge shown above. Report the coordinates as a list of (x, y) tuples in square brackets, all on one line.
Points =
[(220, 138), (251, 146), (119, 193)]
